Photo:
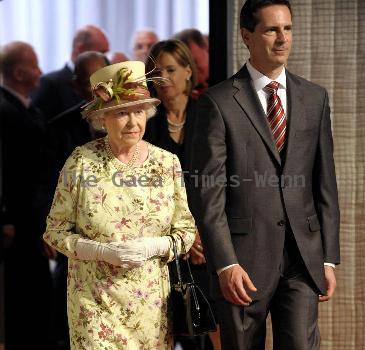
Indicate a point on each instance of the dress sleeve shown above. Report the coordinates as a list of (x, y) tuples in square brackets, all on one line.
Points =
[(183, 224), (61, 221)]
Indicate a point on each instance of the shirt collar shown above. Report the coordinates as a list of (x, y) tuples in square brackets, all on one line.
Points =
[(24, 100), (70, 65), (260, 80)]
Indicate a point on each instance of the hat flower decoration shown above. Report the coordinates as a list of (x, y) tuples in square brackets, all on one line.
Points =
[(121, 85)]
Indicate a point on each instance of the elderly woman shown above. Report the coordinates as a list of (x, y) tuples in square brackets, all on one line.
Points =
[(172, 129), (117, 202)]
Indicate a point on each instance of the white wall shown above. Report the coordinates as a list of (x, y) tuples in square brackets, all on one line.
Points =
[(49, 25)]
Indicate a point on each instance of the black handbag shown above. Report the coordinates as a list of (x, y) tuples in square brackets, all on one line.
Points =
[(191, 312)]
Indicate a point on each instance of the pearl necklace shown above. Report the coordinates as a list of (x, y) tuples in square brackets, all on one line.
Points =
[(119, 164), (175, 127), (176, 124)]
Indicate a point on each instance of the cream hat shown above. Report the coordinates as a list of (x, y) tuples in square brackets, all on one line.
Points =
[(119, 85)]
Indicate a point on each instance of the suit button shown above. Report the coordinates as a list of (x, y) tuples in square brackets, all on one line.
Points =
[(281, 223)]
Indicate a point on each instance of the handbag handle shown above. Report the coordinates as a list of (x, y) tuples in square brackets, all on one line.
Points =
[(177, 262), (197, 319)]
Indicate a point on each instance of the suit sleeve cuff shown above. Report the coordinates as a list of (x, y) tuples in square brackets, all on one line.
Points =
[(330, 264), (219, 271)]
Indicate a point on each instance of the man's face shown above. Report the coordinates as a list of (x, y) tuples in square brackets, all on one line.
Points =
[(142, 44), (201, 58), (28, 71), (270, 43)]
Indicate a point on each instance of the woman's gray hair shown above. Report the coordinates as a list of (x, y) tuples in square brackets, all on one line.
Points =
[(95, 120)]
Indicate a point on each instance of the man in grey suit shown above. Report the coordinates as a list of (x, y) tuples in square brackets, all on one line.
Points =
[(263, 191)]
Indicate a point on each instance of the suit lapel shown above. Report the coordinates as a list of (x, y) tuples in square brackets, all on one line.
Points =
[(31, 116), (67, 72), (247, 98), (296, 115)]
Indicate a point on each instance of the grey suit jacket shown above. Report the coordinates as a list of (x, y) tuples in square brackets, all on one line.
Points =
[(244, 196)]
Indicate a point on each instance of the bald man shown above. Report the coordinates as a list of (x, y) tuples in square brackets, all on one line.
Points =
[(116, 57), (26, 271), (142, 42), (57, 93)]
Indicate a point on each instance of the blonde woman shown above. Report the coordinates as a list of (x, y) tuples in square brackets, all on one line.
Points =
[(173, 128)]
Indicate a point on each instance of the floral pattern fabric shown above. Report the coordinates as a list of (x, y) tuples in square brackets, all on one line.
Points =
[(108, 307)]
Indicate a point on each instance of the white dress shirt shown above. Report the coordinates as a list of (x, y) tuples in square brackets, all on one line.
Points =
[(259, 81)]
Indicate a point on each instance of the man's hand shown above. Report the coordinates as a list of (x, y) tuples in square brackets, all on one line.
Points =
[(196, 252), (8, 230), (48, 251), (235, 283), (329, 273)]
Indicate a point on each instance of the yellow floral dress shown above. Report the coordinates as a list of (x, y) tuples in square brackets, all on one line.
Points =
[(108, 307)]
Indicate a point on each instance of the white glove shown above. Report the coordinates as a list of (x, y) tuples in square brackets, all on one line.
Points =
[(126, 255), (111, 253), (142, 249)]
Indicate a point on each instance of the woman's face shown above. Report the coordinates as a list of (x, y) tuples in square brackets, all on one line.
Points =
[(125, 127), (176, 74)]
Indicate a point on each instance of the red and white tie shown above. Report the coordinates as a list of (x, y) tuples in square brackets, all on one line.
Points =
[(276, 115)]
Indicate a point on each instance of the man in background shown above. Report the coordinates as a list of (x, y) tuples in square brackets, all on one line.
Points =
[(27, 277), (142, 42), (56, 92), (2, 311), (117, 57), (197, 44)]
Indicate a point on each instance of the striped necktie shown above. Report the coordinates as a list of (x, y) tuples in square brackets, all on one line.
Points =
[(276, 115)]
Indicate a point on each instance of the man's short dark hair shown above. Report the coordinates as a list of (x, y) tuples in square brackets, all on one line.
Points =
[(80, 72), (248, 19)]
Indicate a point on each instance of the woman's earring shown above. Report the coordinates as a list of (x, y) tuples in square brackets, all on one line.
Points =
[(187, 78)]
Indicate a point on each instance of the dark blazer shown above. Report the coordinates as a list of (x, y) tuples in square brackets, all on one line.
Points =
[(245, 220), (56, 93), (22, 132), (26, 269), (158, 134), (64, 133)]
